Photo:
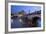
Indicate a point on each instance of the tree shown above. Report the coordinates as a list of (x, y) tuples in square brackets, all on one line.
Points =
[(21, 12)]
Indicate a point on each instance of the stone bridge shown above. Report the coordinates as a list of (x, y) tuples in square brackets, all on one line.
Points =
[(30, 19), (32, 16), (29, 16)]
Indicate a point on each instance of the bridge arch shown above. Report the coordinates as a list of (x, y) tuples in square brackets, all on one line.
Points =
[(35, 21)]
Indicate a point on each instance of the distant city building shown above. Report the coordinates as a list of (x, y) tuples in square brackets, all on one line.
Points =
[(23, 13)]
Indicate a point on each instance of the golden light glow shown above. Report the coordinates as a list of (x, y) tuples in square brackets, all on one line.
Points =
[(20, 14)]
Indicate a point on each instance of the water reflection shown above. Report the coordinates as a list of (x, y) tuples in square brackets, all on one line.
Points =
[(25, 22), (39, 22)]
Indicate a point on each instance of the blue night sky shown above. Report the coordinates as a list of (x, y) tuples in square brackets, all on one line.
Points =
[(16, 8)]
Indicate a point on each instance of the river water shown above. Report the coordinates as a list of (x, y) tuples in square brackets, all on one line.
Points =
[(17, 23)]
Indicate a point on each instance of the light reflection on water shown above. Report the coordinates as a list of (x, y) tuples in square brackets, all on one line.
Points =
[(17, 23), (39, 22)]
